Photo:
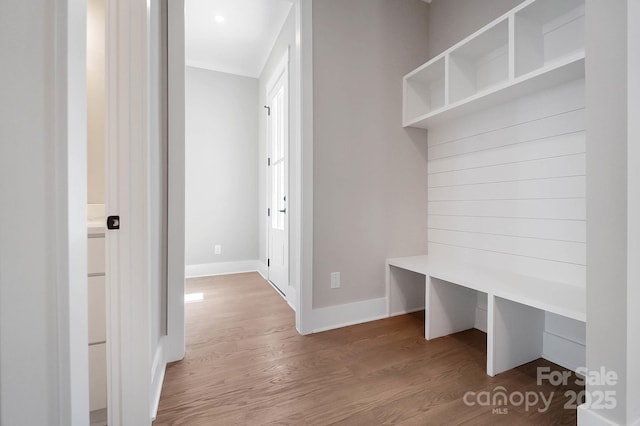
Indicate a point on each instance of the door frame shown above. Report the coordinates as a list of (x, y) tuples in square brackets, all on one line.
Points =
[(274, 78), (68, 314), (127, 179), (135, 370), (301, 169), (300, 164), (176, 180), (130, 358)]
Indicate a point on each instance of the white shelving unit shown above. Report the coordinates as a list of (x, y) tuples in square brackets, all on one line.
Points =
[(537, 45), (479, 64), (547, 31), (425, 90)]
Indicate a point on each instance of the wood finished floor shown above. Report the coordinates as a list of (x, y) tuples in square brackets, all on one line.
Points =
[(245, 364)]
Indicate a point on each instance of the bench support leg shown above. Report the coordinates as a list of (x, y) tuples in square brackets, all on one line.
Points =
[(514, 334), (450, 308)]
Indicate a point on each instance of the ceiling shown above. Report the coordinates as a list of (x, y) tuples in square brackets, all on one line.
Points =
[(242, 42)]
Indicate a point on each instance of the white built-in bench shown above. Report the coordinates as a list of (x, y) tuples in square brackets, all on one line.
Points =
[(516, 306)]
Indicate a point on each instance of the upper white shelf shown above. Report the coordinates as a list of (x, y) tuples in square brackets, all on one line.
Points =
[(537, 45)]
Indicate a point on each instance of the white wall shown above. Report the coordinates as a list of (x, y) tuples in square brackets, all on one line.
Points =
[(607, 192), (221, 193), (43, 269), (369, 194), (633, 212)]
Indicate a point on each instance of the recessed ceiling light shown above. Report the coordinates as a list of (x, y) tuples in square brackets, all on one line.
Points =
[(219, 18)]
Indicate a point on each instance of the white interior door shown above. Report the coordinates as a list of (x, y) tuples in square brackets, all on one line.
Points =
[(278, 144)]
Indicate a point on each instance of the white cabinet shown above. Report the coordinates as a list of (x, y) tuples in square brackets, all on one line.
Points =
[(537, 45), (95, 249), (97, 310), (97, 321), (97, 377)]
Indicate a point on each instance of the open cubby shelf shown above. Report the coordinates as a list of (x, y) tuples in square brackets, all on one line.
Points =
[(537, 45)]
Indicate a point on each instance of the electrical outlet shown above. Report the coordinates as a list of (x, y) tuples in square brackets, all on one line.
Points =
[(217, 249), (335, 280)]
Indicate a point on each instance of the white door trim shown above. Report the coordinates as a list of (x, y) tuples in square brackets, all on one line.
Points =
[(69, 173), (279, 72), (301, 170), (135, 370), (175, 342), (129, 354), (283, 66), (633, 209)]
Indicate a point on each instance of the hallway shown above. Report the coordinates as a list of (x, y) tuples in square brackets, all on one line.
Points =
[(245, 364)]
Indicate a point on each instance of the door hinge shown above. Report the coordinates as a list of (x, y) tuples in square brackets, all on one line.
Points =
[(268, 211), (268, 161), (268, 262), (268, 110)]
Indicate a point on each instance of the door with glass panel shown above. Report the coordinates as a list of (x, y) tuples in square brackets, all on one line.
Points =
[(278, 143)]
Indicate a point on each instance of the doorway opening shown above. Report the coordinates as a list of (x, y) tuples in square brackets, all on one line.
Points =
[(131, 395), (237, 201)]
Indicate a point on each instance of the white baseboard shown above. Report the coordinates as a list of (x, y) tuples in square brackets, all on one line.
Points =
[(222, 268), (158, 369), (405, 312), (288, 293), (589, 417), (349, 314), (291, 297), (262, 269), (564, 352)]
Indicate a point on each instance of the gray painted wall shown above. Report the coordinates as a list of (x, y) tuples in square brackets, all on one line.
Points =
[(221, 194), (452, 20), (370, 174)]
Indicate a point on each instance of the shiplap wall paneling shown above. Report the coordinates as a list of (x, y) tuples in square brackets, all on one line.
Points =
[(506, 189), (520, 116), (560, 122), (507, 186)]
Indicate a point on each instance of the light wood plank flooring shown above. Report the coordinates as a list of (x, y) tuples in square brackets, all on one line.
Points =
[(246, 365)]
